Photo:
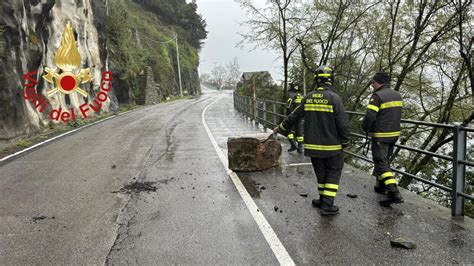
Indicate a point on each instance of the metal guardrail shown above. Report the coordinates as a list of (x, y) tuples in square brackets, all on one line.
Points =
[(270, 113)]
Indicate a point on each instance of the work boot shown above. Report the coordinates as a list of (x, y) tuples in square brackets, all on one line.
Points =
[(317, 203), (293, 146), (300, 147), (393, 196), (379, 186), (328, 207)]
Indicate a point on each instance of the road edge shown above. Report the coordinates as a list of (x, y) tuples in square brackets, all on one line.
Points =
[(24, 151)]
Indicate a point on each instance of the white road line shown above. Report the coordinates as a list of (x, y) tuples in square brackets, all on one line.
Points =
[(267, 231), (299, 164)]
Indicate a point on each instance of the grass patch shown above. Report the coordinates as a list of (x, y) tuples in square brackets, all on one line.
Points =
[(78, 123), (23, 143), (176, 98), (126, 108)]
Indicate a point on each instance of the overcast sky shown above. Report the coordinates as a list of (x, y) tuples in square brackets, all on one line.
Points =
[(223, 17)]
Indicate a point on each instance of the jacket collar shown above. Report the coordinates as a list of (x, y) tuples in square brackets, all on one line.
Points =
[(324, 87), (384, 86)]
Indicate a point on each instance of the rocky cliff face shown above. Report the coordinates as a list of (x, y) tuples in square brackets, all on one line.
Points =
[(30, 34)]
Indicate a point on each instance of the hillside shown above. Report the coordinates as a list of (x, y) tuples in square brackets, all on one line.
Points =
[(135, 40)]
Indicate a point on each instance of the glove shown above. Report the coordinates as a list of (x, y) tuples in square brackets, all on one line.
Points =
[(279, 129), (276, 130)]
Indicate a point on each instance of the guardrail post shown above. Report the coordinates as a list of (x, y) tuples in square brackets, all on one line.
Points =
[(264, 122), (239, 104), (459, 171), (250, 116), (274, 114), (254, 109), (247, 107)]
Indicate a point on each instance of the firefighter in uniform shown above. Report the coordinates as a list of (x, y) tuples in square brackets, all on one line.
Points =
[(326, 132), (382, 123), (294, 99)]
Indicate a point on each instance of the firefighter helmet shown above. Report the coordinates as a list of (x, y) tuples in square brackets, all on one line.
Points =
[(324, 74), (293, 86)]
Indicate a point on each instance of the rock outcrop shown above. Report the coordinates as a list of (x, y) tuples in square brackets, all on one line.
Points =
[(30, 34), (109, 37)]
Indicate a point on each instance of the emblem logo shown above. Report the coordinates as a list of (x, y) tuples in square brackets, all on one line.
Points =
[(66, 79), (67, 59)]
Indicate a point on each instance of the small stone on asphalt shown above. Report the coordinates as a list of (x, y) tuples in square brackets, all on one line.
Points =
[(403, 243), (352, 196), (37, 218)]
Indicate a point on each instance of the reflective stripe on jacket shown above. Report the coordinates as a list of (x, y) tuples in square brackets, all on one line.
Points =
[(294, 99), (326, 126), (383, 116)]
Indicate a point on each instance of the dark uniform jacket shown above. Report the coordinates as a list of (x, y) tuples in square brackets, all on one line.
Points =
[(294, 99), (326, 127), (383, 116)]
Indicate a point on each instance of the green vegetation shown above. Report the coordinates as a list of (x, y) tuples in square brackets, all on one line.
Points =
[(125, 108), (23, 143), (264, 87), (142, 33), (78, 123)]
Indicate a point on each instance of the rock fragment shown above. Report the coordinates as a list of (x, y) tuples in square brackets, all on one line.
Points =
[(403, 243), (253, 153)]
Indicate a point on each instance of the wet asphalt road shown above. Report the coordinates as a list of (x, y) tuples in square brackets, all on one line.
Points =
[(63, 203)]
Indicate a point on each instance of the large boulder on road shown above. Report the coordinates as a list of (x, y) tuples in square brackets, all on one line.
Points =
[(253, 152)]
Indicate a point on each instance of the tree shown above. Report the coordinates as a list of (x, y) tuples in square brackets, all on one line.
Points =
[(205, 78), (264, 87), (233, 73), (218, 75), (277, 26)]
